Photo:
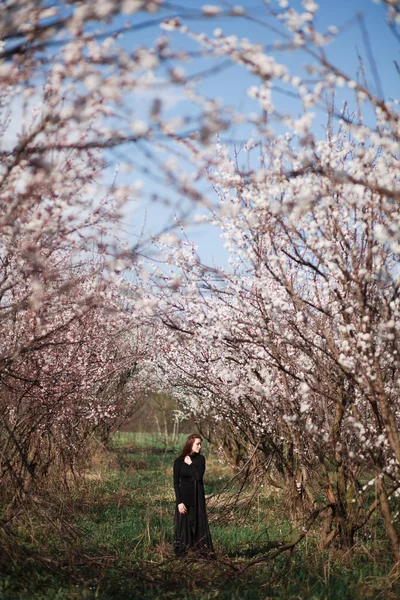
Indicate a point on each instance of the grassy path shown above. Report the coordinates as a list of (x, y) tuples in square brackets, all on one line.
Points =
[(121, 521)]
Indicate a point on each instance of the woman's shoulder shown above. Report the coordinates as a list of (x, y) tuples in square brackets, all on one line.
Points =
[(199, 458)]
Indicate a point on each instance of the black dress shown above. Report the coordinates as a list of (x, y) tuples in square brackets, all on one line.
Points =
[(191, 529)]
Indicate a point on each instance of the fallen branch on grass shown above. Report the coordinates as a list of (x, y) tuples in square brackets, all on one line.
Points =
[(290, 545)]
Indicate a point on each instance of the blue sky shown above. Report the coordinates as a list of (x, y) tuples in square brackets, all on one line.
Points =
[(232, 83)]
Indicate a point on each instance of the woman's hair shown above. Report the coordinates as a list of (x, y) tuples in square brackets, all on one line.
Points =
[(187, 446)]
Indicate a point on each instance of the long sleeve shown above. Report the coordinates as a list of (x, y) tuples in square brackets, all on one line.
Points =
[(198, 468), (177, 475)]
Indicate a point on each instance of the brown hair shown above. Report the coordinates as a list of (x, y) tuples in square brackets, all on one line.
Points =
[(187, 446)]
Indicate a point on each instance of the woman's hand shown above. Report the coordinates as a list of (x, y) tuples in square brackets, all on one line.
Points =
[(182, 508), (188, 460)]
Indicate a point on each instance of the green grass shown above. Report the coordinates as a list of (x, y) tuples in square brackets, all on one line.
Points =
[(148, 440), (123, 518)]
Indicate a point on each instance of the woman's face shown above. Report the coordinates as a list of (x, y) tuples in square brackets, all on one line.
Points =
[(196, 447)]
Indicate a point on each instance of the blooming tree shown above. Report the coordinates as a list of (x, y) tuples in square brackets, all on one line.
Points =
[(67, 366), (295, 345)]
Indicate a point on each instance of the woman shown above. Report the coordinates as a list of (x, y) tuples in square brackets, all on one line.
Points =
[(191, 524)]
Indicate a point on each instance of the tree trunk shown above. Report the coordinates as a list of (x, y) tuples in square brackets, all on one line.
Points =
[(388, 520)]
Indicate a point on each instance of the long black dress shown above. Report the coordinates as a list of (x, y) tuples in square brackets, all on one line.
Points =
[(191, 531)]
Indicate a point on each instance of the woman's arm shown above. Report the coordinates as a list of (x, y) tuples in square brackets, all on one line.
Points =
[(177, 476)]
